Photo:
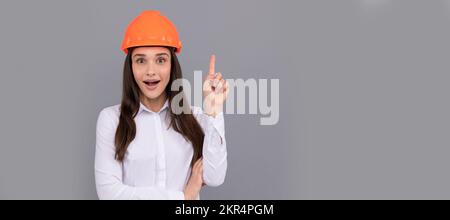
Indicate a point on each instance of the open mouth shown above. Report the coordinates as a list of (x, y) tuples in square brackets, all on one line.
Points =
[(152, 82)]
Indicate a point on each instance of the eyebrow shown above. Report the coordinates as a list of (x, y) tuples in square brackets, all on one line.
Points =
[(143, 55)]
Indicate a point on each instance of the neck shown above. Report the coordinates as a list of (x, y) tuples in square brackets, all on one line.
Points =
[(154, 104)]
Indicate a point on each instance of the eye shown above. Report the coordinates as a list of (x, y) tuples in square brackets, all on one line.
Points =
[(161, 60), (140, 60)]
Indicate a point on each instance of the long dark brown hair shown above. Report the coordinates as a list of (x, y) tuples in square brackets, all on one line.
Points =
[(185, 124)]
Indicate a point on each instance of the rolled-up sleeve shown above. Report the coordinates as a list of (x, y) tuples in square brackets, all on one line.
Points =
[(214, 147), (108, 171)]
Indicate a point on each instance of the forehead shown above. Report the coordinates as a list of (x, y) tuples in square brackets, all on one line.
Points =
[(151, 51)]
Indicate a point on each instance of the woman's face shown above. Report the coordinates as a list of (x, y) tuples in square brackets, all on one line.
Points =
[(151, 70)]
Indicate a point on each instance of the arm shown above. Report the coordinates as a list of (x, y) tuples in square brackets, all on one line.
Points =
[(215, 92), (214, 147)]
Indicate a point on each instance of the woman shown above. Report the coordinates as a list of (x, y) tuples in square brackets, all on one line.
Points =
[(145, 149)]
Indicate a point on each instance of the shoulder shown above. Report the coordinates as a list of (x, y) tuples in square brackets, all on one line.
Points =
[(109, 116)]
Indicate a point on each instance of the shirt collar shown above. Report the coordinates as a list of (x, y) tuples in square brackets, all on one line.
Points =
[(142, 107)]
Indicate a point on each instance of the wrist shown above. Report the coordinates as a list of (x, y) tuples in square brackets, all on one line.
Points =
[(188, 196), (210, 114)]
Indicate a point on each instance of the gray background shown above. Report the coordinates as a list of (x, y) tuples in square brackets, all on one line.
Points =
[(364, 110)]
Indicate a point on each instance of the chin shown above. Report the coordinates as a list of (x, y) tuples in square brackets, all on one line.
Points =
[(152, 95)]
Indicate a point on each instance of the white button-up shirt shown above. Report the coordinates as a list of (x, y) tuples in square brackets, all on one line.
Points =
[(157, 162)]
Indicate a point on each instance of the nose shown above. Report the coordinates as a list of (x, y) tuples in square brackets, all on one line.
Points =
[(150, 70)]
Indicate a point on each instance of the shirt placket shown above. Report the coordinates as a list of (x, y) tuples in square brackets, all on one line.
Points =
[(161, 154)]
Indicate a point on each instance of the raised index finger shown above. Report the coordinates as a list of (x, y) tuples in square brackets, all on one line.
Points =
[(212, 64)]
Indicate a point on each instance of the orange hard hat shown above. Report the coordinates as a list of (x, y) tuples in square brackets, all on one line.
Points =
[(151, 28)]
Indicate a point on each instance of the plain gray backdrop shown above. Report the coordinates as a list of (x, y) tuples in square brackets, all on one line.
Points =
[(364, 84)]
